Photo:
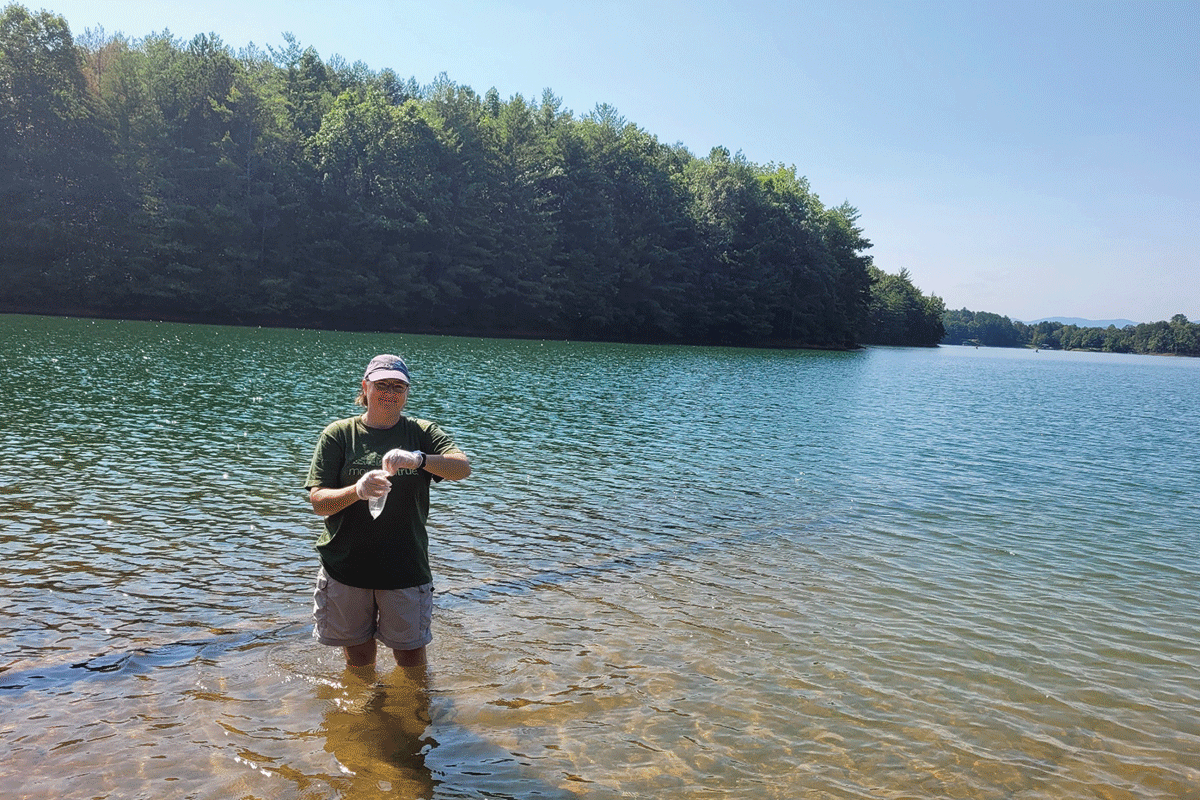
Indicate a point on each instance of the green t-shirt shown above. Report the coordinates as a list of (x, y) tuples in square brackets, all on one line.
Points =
[(391, 552)]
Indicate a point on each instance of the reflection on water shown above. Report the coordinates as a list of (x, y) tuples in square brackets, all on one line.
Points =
[(685, 571), (375, 729)]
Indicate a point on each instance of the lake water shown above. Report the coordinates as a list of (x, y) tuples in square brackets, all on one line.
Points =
[(676, 572)]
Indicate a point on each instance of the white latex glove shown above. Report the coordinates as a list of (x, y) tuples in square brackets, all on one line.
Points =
[(396, 460), (373, 485)]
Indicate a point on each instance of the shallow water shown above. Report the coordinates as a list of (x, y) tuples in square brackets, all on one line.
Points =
[(710, 573)]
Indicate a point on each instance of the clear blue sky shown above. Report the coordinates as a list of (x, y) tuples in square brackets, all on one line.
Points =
[(1029, 158)]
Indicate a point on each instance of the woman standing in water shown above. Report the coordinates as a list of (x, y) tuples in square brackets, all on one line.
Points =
[(374, 582)]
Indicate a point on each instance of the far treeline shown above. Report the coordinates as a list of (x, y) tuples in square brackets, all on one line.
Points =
[(1177, 337), (159, 179)]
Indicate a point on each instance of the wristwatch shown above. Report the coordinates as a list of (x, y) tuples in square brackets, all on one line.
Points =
[(423, 457)]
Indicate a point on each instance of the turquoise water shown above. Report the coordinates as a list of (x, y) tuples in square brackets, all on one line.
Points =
[(704, 572)]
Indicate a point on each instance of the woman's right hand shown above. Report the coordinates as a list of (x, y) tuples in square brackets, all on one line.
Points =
[(372, 485)]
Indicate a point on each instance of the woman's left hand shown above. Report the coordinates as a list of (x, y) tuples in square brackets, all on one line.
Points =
[(396, 460)]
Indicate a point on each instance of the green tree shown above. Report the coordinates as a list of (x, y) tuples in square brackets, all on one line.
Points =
[(901, 315), (622, 227), (382, 196), (1118, 341), (983, 328), (733, 293), (852, 281), (60, 197), (524, 286), (309, 86), (1185, 335)]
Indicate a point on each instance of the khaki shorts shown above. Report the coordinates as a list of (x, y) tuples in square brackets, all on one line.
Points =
[(346, 616)]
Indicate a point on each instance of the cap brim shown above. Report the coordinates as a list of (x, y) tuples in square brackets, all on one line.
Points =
[(384, 374)]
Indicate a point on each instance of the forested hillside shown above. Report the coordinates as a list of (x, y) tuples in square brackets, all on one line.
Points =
[(980, 328), (156, 178)]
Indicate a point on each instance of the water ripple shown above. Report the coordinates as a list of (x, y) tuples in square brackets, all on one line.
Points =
[(693, 571)]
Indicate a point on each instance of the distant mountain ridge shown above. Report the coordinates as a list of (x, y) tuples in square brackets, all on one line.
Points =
[(1085, 323)]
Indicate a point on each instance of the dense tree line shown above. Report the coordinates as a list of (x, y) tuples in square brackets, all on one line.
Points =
[(1177, 337), (984, 329), (899, 314), (157, 178)]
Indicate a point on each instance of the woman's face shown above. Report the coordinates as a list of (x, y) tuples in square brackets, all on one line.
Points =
[(386, 395)]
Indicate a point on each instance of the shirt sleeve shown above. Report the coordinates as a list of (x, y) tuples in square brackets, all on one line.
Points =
[(326, 467), (440, 442)]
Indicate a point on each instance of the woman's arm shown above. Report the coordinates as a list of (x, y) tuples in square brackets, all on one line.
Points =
[(452, 467), (326, 502)]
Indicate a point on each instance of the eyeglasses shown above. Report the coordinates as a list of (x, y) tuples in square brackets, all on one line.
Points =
[(394, 388)]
